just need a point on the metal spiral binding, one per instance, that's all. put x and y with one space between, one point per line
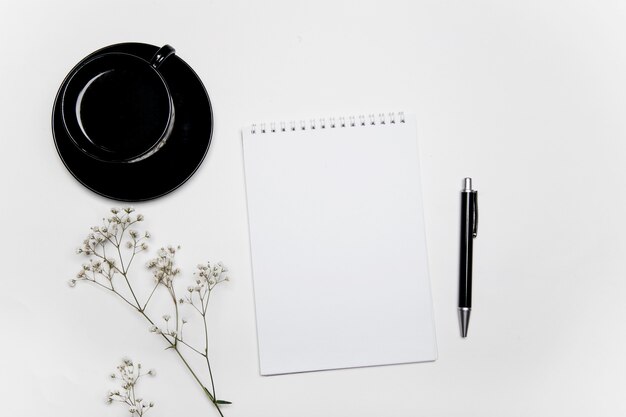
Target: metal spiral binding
331 123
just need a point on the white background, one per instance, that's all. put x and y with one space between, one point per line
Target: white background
528 97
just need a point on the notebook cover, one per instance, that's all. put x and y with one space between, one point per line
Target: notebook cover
338 246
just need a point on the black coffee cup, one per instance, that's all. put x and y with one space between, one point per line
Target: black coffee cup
117 107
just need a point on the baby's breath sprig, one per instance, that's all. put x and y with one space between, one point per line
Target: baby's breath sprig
111 249
128 375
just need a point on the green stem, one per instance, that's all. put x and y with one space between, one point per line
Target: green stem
182 358
206 341
206 391
189 346
149 298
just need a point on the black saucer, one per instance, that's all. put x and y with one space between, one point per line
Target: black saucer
165 170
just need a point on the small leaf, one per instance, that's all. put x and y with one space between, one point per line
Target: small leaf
222 402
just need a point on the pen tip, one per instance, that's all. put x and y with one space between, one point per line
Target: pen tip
464 316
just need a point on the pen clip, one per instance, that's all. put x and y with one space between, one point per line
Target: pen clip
475 222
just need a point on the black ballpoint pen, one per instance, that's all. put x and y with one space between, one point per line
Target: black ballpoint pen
469 223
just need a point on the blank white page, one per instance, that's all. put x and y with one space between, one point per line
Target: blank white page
338 247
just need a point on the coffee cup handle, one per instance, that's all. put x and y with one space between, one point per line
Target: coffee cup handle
161 55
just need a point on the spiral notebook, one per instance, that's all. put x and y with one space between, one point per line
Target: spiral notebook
337 243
